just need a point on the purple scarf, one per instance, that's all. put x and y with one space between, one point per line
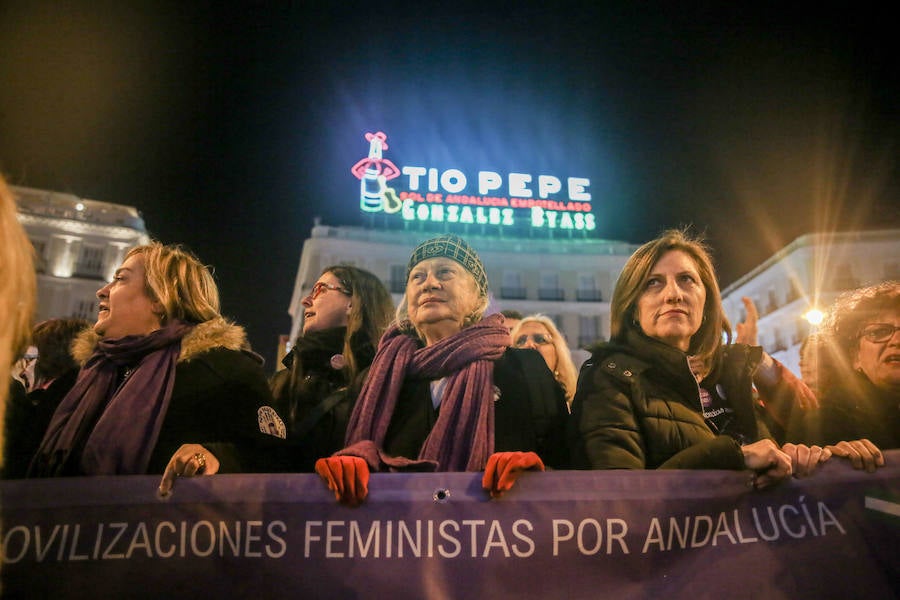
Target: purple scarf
116 425
462 439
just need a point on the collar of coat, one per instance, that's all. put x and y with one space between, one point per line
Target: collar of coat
638 353
215 333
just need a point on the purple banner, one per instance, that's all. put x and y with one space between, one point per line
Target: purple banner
566 534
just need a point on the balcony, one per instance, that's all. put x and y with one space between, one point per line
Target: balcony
513 293
551 294
588 296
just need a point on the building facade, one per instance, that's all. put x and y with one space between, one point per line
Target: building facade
809 273
569 280
78 245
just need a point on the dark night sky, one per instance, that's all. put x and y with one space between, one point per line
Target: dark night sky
230 125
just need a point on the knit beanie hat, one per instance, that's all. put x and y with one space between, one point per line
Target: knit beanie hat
453 247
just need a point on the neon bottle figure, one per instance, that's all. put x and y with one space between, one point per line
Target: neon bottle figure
370 197
372 173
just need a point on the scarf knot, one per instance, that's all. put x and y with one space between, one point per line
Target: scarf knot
463 436
105 426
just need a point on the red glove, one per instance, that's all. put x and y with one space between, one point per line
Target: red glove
346 476
503 469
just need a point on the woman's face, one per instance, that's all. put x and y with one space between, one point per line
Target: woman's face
880 360
327 305
440 294
670 308
535 335
125 307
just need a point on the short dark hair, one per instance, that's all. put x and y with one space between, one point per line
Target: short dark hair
53 340
510 313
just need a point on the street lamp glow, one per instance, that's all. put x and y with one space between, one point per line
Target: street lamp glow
814 316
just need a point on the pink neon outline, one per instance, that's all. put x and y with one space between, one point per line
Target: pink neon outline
383 166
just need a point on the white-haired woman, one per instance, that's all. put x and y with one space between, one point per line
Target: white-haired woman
540 333
445 392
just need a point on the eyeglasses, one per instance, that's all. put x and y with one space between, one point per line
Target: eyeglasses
321 287
539 339
878 332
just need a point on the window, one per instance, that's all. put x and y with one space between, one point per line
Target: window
85 309
588 331
587 289
513 288
40 258
90 262
842 278
397 284
549 287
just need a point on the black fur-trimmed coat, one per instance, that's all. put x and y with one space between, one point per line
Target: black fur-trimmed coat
219 397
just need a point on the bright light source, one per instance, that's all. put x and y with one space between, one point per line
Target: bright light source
814 316
79 207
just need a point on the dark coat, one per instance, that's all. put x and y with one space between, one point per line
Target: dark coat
529 415
851 411
638 406
312 378
27 418
219 391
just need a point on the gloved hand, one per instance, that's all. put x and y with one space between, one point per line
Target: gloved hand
346 476
503 469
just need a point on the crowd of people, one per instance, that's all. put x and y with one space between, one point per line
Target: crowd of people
163 384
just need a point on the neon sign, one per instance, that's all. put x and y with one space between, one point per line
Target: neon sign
439 196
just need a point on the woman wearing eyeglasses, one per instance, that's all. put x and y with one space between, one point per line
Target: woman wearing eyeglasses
540 333
344 316
858 377
445 392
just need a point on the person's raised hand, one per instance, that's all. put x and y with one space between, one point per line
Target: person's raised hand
747 332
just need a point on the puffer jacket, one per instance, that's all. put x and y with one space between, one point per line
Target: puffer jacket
638 406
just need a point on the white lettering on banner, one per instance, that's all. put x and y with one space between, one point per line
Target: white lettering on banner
122 541
473 538
698 531
590 530
418 539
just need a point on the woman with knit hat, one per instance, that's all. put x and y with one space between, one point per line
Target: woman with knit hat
445 392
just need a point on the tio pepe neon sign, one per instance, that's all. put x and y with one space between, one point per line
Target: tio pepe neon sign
438 196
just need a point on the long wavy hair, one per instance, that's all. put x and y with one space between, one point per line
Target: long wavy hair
371 310
633 280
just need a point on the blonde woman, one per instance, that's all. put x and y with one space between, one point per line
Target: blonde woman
540 333
161 367
17 292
